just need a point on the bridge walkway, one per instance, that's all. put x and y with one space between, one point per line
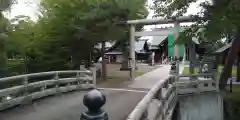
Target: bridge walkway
69 106
121 100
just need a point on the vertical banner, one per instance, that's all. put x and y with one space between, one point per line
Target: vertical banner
170 45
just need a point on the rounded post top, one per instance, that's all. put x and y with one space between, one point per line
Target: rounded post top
94 100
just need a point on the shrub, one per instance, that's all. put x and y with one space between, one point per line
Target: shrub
15 67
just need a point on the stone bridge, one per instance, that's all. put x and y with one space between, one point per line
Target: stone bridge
58 96
69 106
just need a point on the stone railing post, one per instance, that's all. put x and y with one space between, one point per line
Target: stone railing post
56 78
43 87
26 99
94 74
94 100
159 94
78 78
173 68
25 83
82 68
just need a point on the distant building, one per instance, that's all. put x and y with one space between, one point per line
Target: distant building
162 46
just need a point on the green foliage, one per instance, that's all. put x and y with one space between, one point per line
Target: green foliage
3 38
4 5
170 8
218 19
15 67
19 37
67 31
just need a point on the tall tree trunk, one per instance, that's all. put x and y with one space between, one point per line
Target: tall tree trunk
125 63
104 64
238 68
227 70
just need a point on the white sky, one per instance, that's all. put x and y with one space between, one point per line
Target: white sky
24 7
30 8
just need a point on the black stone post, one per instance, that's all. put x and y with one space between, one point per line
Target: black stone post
94 100
173 67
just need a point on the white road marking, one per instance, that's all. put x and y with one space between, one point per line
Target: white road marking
128 90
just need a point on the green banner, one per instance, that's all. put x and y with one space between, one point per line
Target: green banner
171 39
170 45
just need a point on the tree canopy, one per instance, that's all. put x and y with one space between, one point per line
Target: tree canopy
4 25
218 19
67 31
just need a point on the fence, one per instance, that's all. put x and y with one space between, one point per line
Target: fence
159 101
204 82
23 89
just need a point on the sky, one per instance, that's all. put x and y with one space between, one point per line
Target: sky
30 8
24 7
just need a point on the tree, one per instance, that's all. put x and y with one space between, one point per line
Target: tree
19 37
4 5
219 18
77 26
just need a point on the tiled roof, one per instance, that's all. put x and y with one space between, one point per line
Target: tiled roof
225 47
139 45
158 40
114 53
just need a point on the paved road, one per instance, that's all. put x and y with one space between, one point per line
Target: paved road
68 106
149 79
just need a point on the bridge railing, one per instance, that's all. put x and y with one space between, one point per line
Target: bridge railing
203 82
23 89
158 101
162 98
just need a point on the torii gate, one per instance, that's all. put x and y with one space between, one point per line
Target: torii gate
134 33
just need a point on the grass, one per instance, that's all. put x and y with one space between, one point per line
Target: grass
196 70
140 73
115 80
235 94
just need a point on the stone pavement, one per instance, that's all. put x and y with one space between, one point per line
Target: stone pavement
148 80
